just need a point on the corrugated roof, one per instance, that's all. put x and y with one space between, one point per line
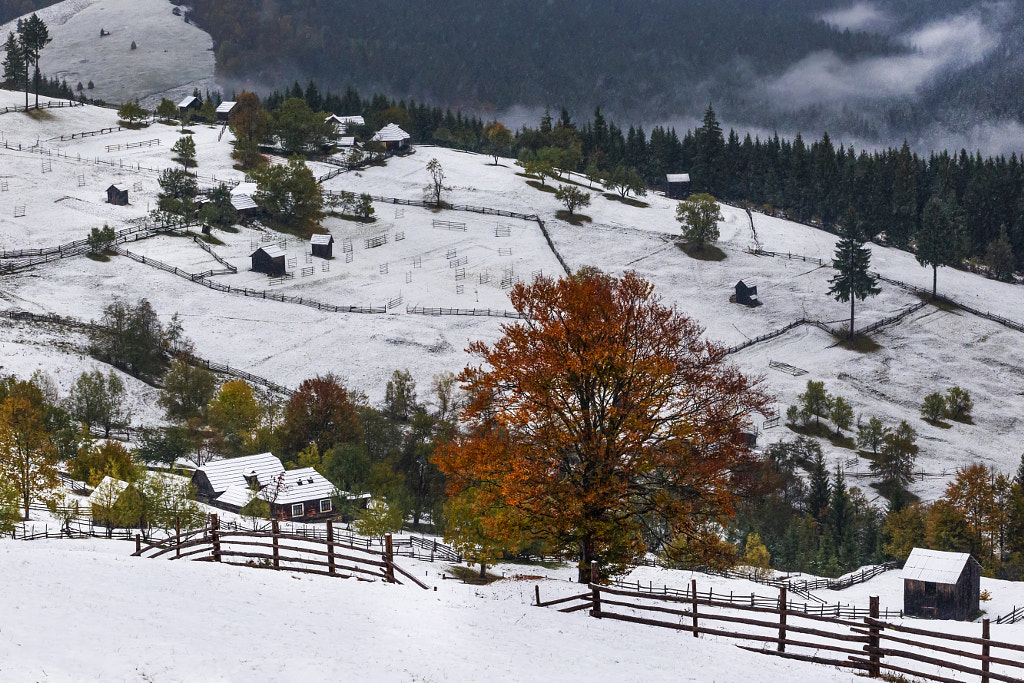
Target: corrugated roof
242 202
187 102
321 239
271 250
678 177
225 107
229 472
302 485
391 133
935 566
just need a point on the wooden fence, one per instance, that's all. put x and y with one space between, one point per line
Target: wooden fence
870 644
279 550
485 312
56 104
1017 614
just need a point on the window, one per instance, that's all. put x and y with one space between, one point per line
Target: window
325 505
297 510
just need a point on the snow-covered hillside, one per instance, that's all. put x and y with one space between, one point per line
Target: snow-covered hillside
423 265
171 57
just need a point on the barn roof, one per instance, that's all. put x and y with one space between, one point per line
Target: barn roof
346 141
391 133
271 250
106 491
347 120
245 188
229 472
241 202
225 107
304 484
935 566
119 188
237 495
678 177
321 239
187 102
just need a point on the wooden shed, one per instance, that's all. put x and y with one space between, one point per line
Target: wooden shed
394 138
677 185
224 110
269 260
323 245
746 294
117 194
941 585
190 103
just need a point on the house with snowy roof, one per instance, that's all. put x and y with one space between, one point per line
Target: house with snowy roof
941 585
224 110
345 123
269 259
322 246
190 103
394 138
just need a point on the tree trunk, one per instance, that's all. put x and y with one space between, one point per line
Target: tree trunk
37 78
852 300
586 558
935 280
483 571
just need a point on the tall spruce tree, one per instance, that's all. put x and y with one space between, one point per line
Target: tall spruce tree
940 239
852 280
710 148
34 37
904 198
14 62
819 489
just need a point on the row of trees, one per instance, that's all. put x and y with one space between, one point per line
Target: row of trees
22 51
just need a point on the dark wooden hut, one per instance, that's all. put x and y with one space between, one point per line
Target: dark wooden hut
117 194
190 103
224 110
941 585
677 185
269 260
746 295
323 246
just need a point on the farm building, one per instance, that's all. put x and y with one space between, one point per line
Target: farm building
394 138
746 295
323 245
941 585
242 199
215 478
270 260
104 499
346 141
117 194
190 103
224 111
345 123
677 185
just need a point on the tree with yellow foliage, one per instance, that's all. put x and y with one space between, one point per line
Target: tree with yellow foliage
27 459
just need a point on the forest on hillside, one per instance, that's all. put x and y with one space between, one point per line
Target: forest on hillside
12 9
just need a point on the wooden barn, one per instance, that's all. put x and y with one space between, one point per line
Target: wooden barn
190 103
394 138
224 110
746 294
105 500
677 185
323 245
941 585
117 194
343 124
270 260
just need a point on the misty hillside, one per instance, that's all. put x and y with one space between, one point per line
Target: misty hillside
941 73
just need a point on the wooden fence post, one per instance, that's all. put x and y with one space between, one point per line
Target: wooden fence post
274 531
536 590
985 635
874 641
693 592
177 537
330 548
138 544
782 618
215 535
389 559
595 589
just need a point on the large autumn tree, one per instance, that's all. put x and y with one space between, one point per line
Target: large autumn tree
603 420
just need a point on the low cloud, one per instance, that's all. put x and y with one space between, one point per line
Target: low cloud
862 16
938 47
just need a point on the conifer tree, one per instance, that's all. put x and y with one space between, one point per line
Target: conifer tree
852 259
710 146
819 489
14 62
940 240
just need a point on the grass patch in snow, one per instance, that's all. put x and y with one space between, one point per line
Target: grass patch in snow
702 252
39 115
95 256
576 219
628 201
823 431
470 575
938 302
940 424
535 184
210 239
350 217
861 343
137 125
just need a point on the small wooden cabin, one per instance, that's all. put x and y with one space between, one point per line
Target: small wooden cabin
941 585
190 103
117 194
677 185
270 260
394 138
746 294
224 110
323 246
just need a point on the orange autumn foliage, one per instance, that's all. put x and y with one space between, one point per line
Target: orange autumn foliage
604 420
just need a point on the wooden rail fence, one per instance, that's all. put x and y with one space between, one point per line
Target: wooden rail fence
59 104
870 644
279 550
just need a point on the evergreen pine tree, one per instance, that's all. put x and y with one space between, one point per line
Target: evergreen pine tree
710 148
904 198
939 240
14 62
819 491
852 260
839 512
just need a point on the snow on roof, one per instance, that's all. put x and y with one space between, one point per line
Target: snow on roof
244 188
241 202
678 177
302 485
237 495
229 472
225 107
346 142
107 491
935 566
120 188
187 102
321 239
346 120
272 250
391 133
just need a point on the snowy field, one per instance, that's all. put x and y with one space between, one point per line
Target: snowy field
170 60
423 266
